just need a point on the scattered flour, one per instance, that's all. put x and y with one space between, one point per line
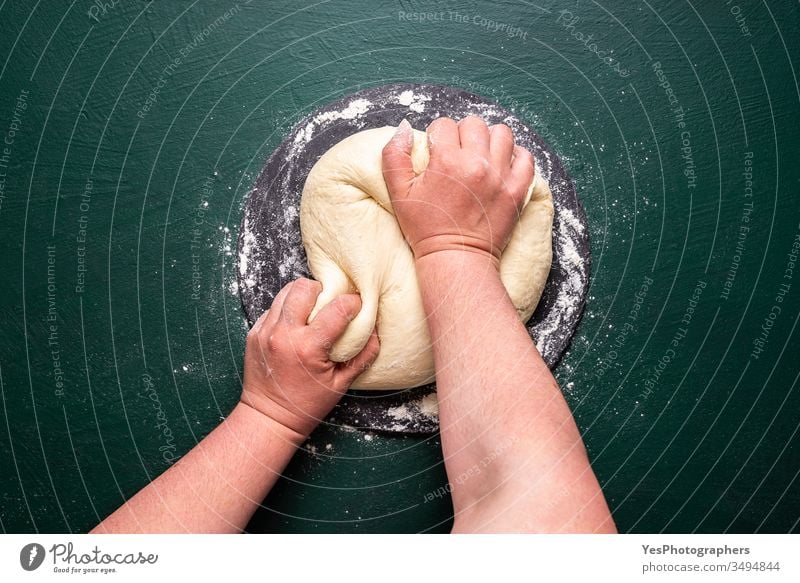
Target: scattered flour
354 109
247 247
249 273
426 407
414 101
569 219
568 232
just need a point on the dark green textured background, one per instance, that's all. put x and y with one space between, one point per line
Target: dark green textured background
710 446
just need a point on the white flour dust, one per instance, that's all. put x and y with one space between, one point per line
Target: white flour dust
354 109
425 409
567 231
568 239
249 276
414 101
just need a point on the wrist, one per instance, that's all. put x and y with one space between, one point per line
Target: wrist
459 263
457 243
250 414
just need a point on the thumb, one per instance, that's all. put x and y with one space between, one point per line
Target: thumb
398 171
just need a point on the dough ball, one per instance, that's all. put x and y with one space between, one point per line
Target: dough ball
354 245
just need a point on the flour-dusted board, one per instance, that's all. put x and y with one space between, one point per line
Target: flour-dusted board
271 251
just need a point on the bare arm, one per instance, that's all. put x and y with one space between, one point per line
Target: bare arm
513 452
217 486
289 385
514 456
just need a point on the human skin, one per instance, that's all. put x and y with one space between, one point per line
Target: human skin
504 422
289 386
513 453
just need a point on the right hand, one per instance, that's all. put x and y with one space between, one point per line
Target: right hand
288 374
469 197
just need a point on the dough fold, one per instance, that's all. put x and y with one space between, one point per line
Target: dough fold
354 245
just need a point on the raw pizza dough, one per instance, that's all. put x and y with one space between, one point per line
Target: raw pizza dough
354 245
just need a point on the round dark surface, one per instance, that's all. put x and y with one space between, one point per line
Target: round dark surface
271 253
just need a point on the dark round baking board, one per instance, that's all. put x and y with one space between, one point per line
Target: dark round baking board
271 252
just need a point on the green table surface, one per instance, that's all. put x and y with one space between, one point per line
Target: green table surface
133 131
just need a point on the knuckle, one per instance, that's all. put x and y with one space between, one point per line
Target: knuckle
274 343
305 351
510 190
477 170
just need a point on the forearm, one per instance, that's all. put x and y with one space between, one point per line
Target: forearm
217 486
503 417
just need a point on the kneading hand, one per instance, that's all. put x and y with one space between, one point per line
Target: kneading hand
471 193
288 375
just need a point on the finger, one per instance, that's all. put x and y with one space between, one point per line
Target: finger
398 171
351 369
501 146
522 169
442 134
474 135
333 319
300 301
270 317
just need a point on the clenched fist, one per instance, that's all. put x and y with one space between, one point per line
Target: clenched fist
469 197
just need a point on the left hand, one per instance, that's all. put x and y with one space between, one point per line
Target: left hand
288 375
